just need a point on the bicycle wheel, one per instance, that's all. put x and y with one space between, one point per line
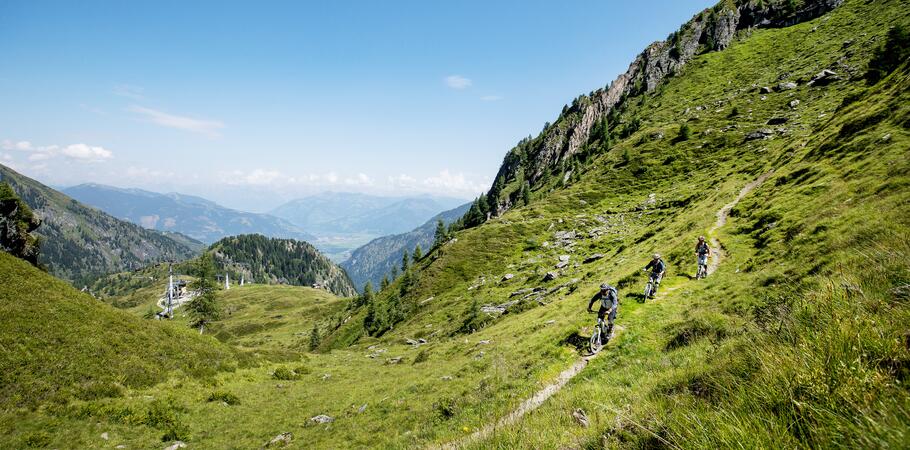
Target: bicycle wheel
647 290
595 340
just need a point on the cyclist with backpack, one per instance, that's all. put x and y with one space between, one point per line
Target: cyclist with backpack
702 251
657 267
609 304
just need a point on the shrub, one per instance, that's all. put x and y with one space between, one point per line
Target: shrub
283 373
225 397
890 55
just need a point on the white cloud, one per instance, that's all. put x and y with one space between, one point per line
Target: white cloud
86 152
361 179
6 157
458 82
448 182
39 156
491 98
206 127
20 145
125 90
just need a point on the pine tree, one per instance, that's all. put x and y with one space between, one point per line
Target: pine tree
441 235
204 307
405 261
526 193
384 283
418 253
314 338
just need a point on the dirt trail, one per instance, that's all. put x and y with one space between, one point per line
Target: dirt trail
717 251
530 404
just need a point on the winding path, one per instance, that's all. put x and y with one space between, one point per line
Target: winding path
547 391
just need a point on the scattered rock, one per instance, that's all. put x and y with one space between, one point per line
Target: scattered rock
763 133
446 378
479 355
421 341
492 309
322 418
550 276
580 417
176 445
886 137
120 446
563 258
652 199
424 302
823 78
786 86
483 342
395 360
507 277
282 440
764 97
764 90
777 120
593 258
561 264
362 408
326 376
794 103
105 436
656 136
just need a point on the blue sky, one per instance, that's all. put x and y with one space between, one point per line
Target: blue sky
254 103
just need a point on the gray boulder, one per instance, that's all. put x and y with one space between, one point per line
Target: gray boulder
550 276
786 86
322 418
763 133
823 78
282 440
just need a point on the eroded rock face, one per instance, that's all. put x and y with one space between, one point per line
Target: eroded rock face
711 30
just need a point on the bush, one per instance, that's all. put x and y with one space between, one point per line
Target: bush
422 356
225 397
445 408
890 55
283 373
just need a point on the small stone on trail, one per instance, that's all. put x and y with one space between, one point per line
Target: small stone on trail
282 440
322 418
580 417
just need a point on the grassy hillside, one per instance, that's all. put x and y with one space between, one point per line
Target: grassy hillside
61 346
80 243
798 340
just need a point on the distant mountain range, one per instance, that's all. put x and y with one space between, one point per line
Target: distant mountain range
331 214
193 216
80 243
376 259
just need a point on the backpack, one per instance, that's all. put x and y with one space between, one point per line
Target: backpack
611 291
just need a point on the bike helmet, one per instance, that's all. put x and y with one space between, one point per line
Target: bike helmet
604 286
657 256
701 238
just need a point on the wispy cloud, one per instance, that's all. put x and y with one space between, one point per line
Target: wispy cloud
125 90
491 98
86 152
458 82
206 127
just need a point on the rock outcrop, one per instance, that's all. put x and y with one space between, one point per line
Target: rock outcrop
711 30
16 224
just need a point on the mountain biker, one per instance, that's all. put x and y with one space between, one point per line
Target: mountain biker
702 251
658 267
609 303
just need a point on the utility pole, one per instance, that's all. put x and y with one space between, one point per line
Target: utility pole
227 281
241 279
170 291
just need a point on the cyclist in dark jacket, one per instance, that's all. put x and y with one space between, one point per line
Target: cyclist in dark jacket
702 251
609 304
657 267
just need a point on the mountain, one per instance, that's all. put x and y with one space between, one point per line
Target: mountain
334 213
377 258
779 148
193 216
79 243
266 260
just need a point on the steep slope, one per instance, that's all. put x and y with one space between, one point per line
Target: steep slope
797 340
81 243
279 261
60 344
374 260
195 217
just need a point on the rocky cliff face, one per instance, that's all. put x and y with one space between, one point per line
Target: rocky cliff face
711 30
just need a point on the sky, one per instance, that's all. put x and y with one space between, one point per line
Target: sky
251 104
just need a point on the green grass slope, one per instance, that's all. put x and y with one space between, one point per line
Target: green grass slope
798 340
59 344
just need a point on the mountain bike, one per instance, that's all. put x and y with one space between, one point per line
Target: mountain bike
599 338
649 288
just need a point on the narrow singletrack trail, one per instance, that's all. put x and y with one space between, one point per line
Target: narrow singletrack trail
717 251
532 403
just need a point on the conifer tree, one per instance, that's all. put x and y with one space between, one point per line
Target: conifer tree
442 234
314 338
418 253
204 307
405 261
